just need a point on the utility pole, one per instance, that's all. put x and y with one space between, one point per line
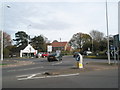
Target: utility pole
2 26
2 45
92 43
108 51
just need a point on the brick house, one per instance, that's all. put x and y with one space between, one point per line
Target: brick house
63 46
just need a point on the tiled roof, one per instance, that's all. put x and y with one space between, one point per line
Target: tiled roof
59 44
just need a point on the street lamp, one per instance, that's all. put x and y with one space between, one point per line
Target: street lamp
108 51
2 26
92 42
28 33
2 45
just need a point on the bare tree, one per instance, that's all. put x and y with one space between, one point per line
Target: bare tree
96 35
6 39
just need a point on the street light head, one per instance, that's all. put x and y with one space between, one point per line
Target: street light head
8 6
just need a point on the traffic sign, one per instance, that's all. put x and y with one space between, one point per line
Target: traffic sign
49 48
116 40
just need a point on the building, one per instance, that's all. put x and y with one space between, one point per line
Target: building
29 51
63 46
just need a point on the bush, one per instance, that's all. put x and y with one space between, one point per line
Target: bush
6 52
66 53
101 53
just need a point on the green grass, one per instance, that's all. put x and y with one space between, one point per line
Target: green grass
96 57
3 64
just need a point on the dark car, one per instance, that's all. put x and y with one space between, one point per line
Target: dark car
54 57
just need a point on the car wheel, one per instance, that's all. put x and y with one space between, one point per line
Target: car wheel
49 60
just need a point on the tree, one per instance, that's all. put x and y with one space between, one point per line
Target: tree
87 45
21 38
99 41
79 40
96 35
6 39
6 43
39 43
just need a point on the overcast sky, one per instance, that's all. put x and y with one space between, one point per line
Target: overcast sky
57 20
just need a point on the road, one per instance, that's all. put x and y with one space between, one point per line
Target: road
31 76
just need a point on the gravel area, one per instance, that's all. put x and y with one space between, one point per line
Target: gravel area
88 67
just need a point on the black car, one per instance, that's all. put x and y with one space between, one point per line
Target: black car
54 57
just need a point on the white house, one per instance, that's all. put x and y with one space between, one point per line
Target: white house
29 51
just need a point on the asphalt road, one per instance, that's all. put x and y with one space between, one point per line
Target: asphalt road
31 76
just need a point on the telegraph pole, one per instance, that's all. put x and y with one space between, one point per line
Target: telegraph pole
108 51
2 45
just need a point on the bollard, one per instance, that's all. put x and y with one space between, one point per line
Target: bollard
79 60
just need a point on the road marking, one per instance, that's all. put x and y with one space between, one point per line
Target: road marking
43 77
57 63
25 69
31 74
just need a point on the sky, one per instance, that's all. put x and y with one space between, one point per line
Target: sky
60 19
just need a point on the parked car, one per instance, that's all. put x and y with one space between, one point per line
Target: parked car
45 54
39 55
54 57
87 52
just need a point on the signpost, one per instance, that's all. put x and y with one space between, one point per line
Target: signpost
49 48
116 46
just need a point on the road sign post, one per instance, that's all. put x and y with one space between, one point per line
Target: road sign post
49 48
116 45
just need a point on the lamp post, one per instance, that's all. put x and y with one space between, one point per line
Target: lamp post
28 33
2 26
2 45
1 33
92 43
108 51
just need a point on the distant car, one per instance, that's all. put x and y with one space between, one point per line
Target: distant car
45 54
87 52
39 55
54 57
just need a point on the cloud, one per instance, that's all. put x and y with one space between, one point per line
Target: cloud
44 24
61 18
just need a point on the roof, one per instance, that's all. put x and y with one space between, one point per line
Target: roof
29 48
69 48
59 44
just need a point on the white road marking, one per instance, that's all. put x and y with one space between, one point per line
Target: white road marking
42 77
25 69
57 63
28 75
31 76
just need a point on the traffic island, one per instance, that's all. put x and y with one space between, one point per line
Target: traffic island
91 66
70 71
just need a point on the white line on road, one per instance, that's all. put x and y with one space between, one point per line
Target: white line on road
42 77
25 69
57 63
31 74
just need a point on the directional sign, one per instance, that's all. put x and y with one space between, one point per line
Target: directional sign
49 48
116 40
77 58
